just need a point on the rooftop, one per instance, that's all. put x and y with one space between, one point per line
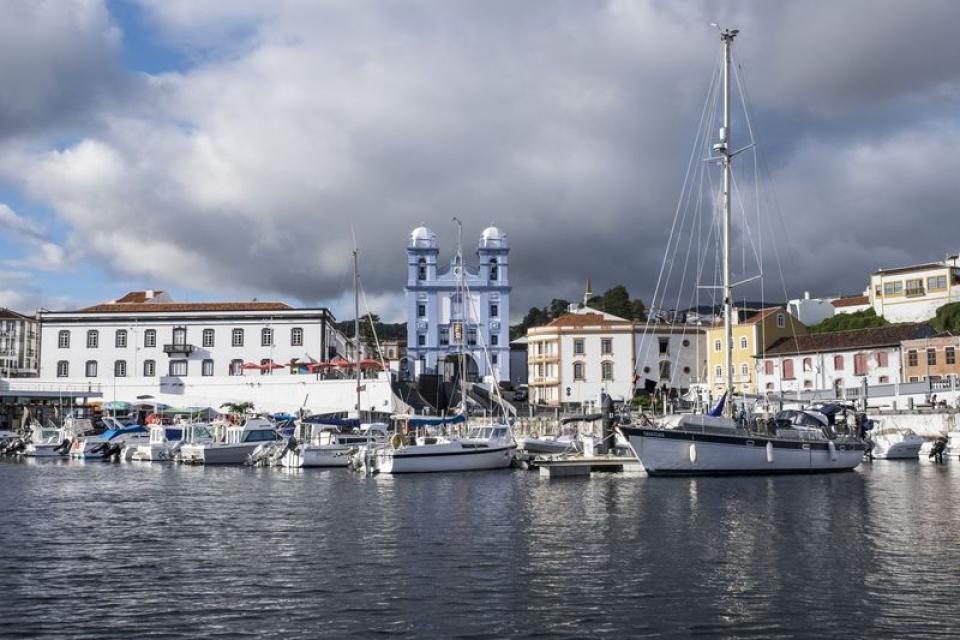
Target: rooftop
184 307
850 301
850 340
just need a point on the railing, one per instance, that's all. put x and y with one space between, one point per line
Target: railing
28 385
185 349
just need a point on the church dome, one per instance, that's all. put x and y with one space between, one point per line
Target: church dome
493 238
423 238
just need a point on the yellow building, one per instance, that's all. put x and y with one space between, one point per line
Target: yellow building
913 294
751 337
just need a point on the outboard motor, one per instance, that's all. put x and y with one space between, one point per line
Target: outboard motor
936 451
64 447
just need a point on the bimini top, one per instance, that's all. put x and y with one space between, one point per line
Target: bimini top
423 238
493 238
110 434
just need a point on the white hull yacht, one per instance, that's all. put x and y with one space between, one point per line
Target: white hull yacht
167 440
239 443
490 447
330 447
893 443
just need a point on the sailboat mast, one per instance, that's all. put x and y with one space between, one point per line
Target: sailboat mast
461 290
726 161
356 321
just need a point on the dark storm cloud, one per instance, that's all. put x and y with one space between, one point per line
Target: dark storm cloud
567 123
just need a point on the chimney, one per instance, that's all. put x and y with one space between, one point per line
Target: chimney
587 293
806 295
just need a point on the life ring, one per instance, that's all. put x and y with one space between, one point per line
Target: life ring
396 441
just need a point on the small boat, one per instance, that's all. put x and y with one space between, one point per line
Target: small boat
487 447
167 440
329 446
894 443
567 441
46 442
239 442
110 443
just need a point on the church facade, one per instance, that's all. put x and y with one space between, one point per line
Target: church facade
457 308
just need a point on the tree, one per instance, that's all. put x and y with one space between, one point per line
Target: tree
948 318
238 407
616 300
557 308
367 339
847 321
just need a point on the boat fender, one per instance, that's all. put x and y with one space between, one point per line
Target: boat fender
693 453
396 441
769 451
833 451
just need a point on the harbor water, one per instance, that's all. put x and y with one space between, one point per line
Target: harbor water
128 550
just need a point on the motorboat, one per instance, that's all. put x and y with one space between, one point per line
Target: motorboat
113 442
486 447
330 446
953 444
239 442
567 441
46 442
895 443
167 440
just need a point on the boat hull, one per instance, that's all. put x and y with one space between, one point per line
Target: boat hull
218 453
43 450
683 453
545 446
443 457
316 456
901 450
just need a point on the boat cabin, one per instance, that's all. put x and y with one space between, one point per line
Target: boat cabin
253 430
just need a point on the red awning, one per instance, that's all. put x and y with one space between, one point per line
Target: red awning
370 364
340 362
249 365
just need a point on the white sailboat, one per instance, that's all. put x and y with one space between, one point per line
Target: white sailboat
716 444
485 447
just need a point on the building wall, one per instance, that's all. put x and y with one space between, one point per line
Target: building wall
813 371
136 352
893 298
811 311
19 346
922 366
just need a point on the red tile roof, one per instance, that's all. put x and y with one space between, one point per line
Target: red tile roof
585 319
137 296
850 340
851 301
184 307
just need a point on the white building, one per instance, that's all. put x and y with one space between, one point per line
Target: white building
204 353
811 311
836 360
850 304
441 323
19 349
585 352
914 293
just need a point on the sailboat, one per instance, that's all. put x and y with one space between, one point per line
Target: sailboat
714 443
423 449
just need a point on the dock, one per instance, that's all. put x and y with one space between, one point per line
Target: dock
573 466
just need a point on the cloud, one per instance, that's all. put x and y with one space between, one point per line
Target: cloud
41 252
568 124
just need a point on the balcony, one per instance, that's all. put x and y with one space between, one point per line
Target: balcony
178 349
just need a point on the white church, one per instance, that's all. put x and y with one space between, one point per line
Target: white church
449 311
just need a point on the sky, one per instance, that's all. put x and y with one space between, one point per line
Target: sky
230 149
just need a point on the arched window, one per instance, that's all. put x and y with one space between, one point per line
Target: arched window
768 367
93 341
769 387
237 338
63 340
744 371
718 372
120 341
266 337
296 337
63 369
743 344
120 369
838 363
422 269
236 368
208 338
266 367
494 270
606 371
149 368
150 338
788 369
781 320
91 368
717 345
807 365
578 371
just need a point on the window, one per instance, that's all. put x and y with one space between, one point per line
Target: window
914 287
237 340
494 340
882 359
664 369
931 356
877 290
578 371
860 364
150 338
63 369
235 368
93 340
718 372
606 346
807 365
912 359
807 384
296 337
91 368
472 336
422 269
266 337
120 342
768 367
120 369
421 340
494 270
606 371
769 387
178 368
149 368
578 347
884 379
208 338
180 335
494 310
781 320
743 344
63 340
718 345
950 355
685 342
493 358
937 282
788 369
266 367
838 363
893 288
206 368
744 370
445 336
421 310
